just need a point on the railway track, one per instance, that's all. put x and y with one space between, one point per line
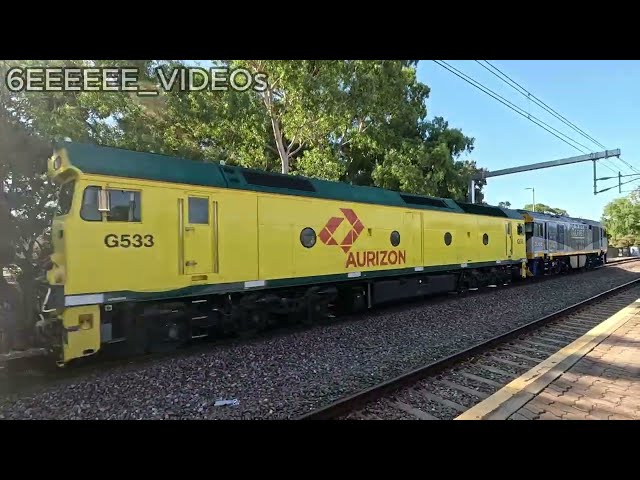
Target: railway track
444 389
615 261
34 372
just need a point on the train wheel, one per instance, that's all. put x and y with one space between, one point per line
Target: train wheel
166 335
253 322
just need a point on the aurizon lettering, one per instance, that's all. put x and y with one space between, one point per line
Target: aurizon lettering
378 258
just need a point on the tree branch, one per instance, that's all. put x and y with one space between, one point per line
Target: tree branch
297 149
293 141
276 81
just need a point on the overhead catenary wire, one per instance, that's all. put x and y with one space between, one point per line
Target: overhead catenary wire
516 108
627 163
512 106
526 93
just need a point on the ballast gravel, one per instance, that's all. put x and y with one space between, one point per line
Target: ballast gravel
286 376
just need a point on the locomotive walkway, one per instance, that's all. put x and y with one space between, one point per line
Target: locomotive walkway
597 377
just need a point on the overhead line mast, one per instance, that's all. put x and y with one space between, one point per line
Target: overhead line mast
537 166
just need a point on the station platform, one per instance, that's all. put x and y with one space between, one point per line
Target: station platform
596 377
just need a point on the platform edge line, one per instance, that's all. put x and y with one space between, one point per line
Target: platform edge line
521 390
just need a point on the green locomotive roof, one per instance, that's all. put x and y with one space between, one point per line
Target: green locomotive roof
117 162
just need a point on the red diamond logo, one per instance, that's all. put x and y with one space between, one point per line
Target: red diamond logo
326 235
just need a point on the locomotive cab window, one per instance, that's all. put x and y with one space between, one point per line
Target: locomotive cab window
198 211
520 229
534 229
124 205
89 209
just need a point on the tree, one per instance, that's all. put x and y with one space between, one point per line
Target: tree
29 121
330 106
542 208
621 218
504 204
361 122
625 241
25 207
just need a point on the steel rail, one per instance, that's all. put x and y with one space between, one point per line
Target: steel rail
359 399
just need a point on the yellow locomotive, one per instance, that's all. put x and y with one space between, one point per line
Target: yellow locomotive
152 251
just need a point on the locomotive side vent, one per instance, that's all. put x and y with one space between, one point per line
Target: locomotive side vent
482 210
278 181
415 200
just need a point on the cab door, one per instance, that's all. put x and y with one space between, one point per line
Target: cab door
509 239
198 221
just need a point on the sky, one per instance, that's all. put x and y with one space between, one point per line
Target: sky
599 97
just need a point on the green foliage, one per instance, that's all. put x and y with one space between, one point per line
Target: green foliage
320 163
504 204
542 208
621 218
625 241
26 205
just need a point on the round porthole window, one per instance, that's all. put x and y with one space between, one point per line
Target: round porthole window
395 238
308 237
485 239
447 239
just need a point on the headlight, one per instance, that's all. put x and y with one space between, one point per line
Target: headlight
57 163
